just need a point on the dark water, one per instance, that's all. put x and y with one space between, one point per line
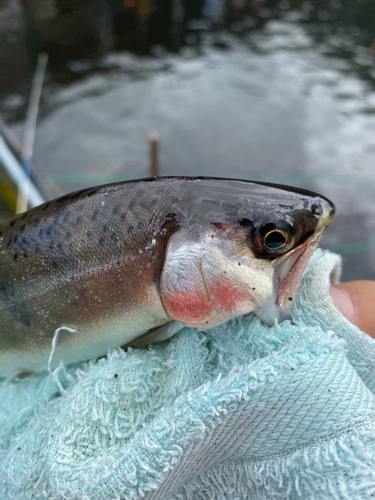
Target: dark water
274 91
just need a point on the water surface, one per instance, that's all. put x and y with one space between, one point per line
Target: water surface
288 101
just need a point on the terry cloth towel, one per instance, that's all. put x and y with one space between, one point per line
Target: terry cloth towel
242 411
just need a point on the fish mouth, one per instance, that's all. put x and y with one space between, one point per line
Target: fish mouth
287 276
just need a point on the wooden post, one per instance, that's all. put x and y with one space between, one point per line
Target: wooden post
154 141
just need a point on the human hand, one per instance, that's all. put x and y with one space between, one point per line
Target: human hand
356 301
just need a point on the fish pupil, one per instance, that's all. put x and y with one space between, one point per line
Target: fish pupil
274 240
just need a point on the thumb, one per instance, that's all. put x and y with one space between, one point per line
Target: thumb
356 301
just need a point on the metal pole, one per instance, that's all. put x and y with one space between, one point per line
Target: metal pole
154 141
29 131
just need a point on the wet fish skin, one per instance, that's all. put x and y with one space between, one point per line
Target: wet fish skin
114 261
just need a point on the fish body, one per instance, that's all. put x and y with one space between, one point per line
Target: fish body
105 265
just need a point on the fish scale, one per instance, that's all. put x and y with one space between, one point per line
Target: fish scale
112 262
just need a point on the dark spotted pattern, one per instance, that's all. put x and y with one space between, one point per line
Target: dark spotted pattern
66 216
8 293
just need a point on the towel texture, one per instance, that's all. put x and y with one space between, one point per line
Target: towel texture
242 411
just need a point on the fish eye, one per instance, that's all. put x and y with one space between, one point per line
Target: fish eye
276 240
275 235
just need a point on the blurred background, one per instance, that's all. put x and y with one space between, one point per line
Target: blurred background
270 90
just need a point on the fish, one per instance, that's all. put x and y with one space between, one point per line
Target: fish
128 263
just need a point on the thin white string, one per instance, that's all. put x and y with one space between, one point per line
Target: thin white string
55 374
54 342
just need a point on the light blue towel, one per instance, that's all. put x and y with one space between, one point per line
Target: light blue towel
240 412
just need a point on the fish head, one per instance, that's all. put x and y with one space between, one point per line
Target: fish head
242 253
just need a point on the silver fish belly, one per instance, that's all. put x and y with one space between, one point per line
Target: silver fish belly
105 265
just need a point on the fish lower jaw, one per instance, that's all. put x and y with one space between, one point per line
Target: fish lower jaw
288 282
286 278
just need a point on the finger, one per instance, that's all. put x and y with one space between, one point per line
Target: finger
356 301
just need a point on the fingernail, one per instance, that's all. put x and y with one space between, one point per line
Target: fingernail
342 301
